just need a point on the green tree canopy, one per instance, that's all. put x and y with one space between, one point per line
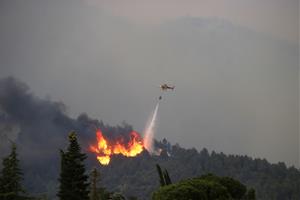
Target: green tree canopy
207 187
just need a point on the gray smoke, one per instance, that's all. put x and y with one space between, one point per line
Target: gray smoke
40 128
41 125
8 133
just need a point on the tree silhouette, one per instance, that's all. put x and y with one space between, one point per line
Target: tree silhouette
73 180
207 187
11 177
164 177
95 178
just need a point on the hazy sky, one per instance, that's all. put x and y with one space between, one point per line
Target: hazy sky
276 17
234 64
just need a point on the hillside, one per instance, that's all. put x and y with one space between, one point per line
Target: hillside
138 177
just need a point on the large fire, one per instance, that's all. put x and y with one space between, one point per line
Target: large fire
105 148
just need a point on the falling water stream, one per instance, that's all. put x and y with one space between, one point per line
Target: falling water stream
150 131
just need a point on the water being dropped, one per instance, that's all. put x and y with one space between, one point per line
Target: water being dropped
150 131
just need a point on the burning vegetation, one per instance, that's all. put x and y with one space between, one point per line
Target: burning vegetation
105 148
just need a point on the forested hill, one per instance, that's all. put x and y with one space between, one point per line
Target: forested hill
137 176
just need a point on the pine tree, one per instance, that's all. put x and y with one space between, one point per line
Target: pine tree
73 180
11 177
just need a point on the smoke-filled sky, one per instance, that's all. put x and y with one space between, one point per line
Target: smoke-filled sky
234 64
276 17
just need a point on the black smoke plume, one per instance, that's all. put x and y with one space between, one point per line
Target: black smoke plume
40 127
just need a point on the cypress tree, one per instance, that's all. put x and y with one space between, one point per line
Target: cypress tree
160 175
95 178
11 177
164 177
167 177
73 180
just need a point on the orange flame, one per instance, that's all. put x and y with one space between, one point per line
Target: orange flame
104 148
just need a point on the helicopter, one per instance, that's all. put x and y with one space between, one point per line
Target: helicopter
165 87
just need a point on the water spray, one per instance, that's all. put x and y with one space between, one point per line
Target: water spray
150 130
